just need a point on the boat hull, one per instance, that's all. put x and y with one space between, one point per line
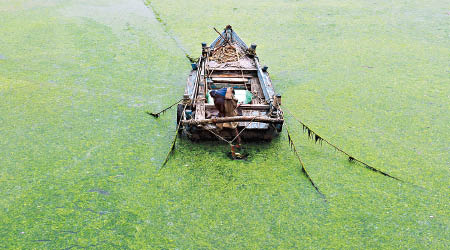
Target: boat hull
228 63
198 133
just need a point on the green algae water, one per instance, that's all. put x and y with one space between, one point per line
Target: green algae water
80 159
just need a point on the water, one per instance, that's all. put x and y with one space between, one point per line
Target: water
80 157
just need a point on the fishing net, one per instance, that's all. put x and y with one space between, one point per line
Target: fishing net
227 53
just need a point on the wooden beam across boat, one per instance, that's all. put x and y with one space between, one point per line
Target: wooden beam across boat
229 79
232 75
244 106
233 119
235 69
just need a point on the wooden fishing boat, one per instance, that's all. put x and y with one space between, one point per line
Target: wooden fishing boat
228 62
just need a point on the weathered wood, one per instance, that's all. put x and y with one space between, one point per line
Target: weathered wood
200 104
232 75
260 123
244 106
189 90
232 69
197 79
256 89
233 119
263 79
230 80
254 125
200 110
218 85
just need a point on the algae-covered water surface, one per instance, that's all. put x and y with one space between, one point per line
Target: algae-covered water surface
80 159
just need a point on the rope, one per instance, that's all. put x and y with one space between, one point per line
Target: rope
210 73
243 129
218 136
156 115
174 139
319 138
294 149
225 140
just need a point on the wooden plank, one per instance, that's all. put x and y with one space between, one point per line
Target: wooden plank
233 119
227 85
234 75
200 100
232 69
189 90
268 92
259 125
200 110
244 106
256 89
230 80
245 113
254 125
